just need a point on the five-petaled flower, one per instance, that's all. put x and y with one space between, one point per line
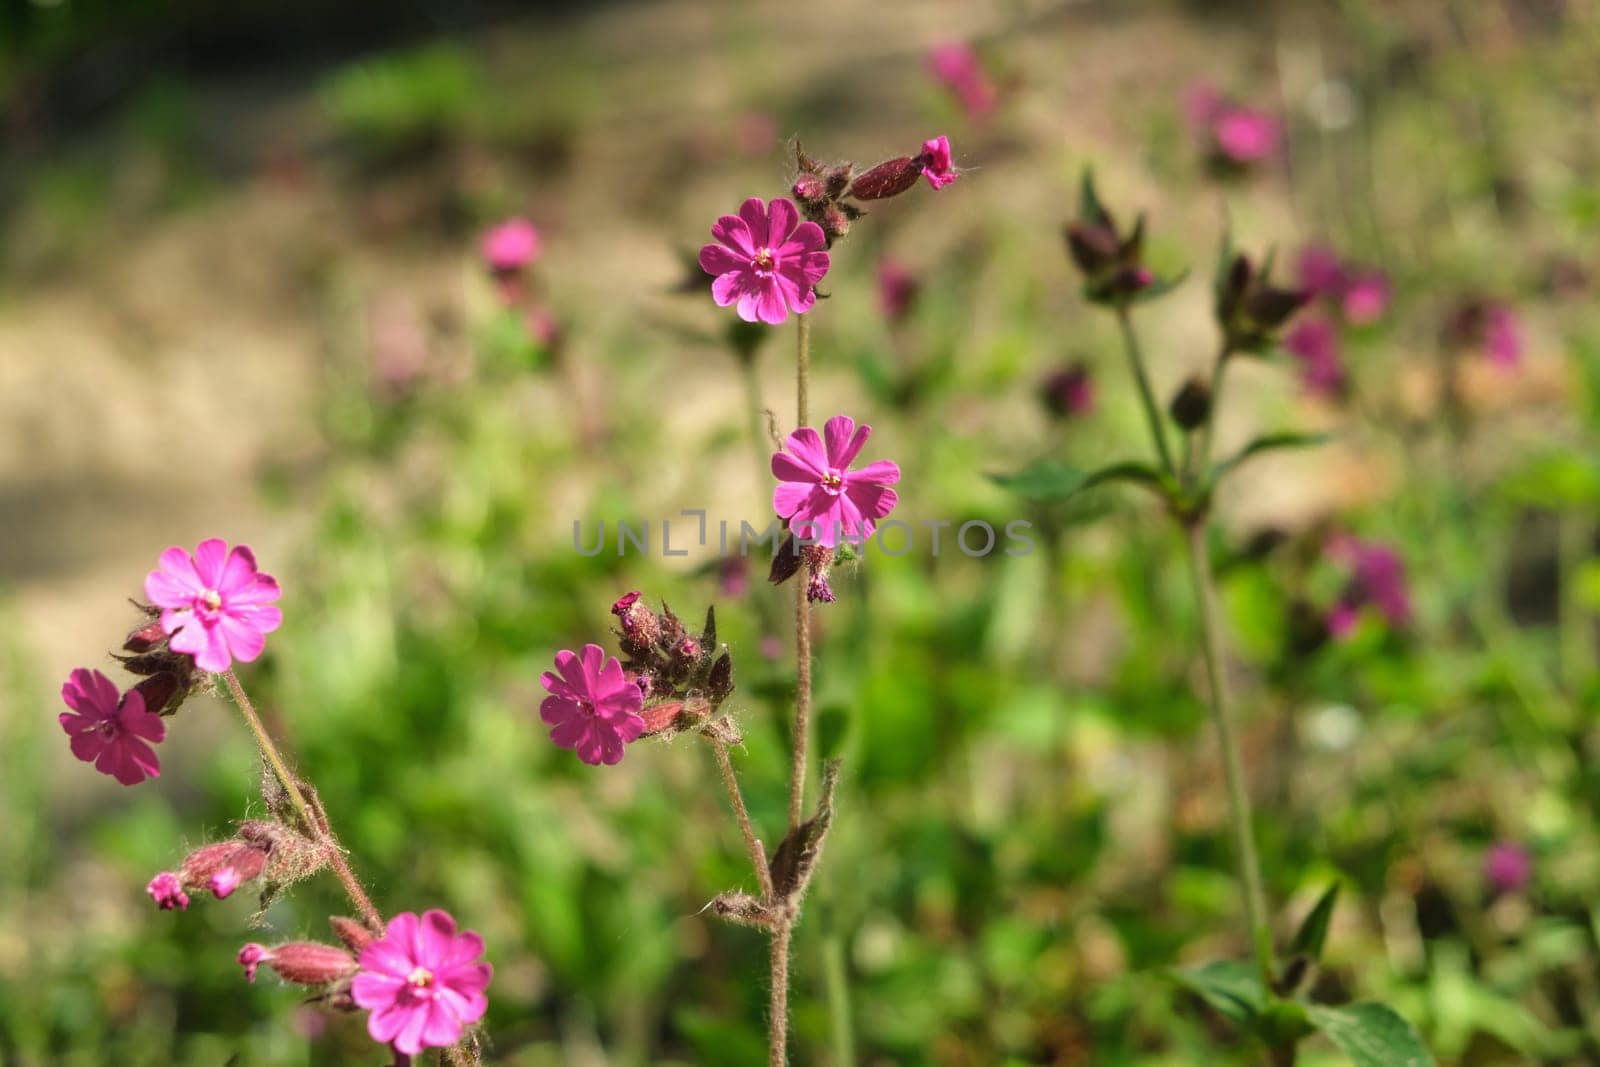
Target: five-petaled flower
215 604
110 730
767 261
937 165
592 708
422 981
823 499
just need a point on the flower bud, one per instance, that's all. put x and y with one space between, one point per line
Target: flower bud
1068 391
223 867
659 717
818 560
354 935
810 189
161 692
1250 310
785 562
147 637
301 962
719 684
1191 407
167 891
890 178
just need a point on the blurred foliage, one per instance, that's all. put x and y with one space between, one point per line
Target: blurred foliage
1031 831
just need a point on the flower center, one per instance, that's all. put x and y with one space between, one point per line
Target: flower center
211 599
833 481
420 979
766 259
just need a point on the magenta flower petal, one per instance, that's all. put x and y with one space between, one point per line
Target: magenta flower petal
216 605
111 731
937 165
822 499
592 707
766 262
420 982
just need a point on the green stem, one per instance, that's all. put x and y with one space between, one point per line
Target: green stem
1222 716
1152 413
316 823
838 979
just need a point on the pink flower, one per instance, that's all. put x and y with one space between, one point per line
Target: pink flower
109 730
1507 867
1315 343
1502 336
767 261
1245 134
510 246
956 66
1377 578
1321 271
897 289
592 707
216 605
1366 297
422 982
167 891
936 164
252 956
818 493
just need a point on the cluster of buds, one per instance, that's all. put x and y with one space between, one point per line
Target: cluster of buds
1251 311
1112 262
684 677
824 191
260 849
169 677
817 560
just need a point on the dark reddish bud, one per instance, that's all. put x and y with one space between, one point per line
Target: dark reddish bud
641 628
887 179
354 935
838 179
785 562
1068 391
145 638
1191 407
223 867
719 684
158 692
818 560
810 189
835 222
1093 246
659 717
1250 310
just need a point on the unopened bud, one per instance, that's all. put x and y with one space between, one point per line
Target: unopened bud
887 179
838 179
223 867
1191 407
818 560
303 962
785 562
719 684
835 222
150 635
659 717
160 690
810 189
354 935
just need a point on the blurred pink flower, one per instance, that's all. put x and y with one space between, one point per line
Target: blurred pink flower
897 289
422 981
511 245
216 604
957 67
1507 867
1377 578
1315 343
592 707
1246 134
1366 297
1321 271
818 493
937 166
733 577
1068 391
1502 336
766 262
109 730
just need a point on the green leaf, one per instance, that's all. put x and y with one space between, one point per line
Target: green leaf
1229 986
1372 1035
1271 442
1051 481
1313 932
1089 207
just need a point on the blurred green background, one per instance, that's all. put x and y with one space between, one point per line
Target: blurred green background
224 227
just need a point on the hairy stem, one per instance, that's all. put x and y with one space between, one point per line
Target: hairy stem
802 610
1222 715
316 823
778 1006
752 843
1152 413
